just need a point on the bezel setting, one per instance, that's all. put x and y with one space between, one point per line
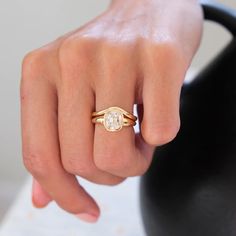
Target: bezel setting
113 120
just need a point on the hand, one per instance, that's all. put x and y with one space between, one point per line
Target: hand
134 53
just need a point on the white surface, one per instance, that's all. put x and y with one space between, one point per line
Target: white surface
120 214
7 195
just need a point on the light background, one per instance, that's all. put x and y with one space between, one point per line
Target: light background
29 24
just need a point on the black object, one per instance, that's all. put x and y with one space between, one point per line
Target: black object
190 189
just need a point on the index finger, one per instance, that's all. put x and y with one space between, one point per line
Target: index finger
41 148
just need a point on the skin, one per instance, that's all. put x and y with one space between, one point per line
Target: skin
133 53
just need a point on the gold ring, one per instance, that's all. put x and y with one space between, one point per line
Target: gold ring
114 118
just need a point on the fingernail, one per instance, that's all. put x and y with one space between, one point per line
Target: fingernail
87 217
40 198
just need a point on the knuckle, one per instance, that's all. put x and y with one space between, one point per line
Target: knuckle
112 161
75 55
166 52
32 62
87 171
75 48
101 161
75 167
161 134
116 54
32 67
66 49
35 164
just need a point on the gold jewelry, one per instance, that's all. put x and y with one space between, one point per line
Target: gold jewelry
114 118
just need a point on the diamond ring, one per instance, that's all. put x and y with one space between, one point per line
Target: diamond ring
114 118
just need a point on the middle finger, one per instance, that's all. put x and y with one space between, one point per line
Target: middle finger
117 152
76 102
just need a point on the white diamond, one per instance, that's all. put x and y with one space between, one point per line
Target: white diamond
113 120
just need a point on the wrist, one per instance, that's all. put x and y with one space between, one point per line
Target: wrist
113 2
154 6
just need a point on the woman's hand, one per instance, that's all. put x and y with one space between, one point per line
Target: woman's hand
137 52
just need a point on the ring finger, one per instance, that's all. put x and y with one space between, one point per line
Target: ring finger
117 152
76 103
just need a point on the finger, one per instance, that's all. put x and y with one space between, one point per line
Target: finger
76 104
116 152
40 197
163 78
146 149
40 138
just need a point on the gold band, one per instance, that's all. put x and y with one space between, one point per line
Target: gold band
126 113
126 121
114 118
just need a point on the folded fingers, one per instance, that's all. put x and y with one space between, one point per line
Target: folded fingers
76 104
41 149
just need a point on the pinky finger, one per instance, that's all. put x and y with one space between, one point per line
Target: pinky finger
40 197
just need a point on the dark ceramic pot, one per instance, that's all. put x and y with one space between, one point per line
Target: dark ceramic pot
190 189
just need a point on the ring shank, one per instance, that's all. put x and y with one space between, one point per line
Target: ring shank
126 121
125 113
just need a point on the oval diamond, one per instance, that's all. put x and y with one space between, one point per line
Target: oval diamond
113 120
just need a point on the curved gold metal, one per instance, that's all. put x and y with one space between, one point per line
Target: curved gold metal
125 113
126 121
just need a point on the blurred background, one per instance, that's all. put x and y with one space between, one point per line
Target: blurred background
29 24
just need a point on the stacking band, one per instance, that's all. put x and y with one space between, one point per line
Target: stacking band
126 121
125 113
114 118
